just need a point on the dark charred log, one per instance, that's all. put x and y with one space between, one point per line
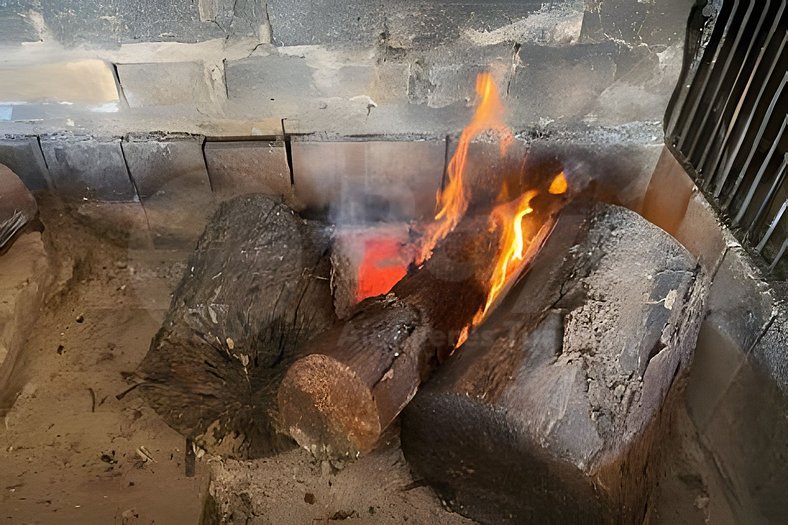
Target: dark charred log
255 289
553 410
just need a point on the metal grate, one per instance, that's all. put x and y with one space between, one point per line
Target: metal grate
727 120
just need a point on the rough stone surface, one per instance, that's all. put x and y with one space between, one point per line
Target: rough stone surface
173 185
164 84
88 168
92 22
237 168
661 23
15 26
560 83
274 84
23 155
369 180
401 24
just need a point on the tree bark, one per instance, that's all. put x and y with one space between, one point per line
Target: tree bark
256 287
552 411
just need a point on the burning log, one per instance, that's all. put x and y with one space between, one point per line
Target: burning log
553 411
356 378
255 288
337 400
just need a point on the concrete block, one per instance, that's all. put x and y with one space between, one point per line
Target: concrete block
635 22
448 76
87 168
104 23
23 155
346 81
172 181
90 82
425 25
560 84
74 22
369 180
273 84
306 22
408 24
15 24
165 84
237 168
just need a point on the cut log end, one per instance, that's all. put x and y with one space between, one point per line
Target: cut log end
328 409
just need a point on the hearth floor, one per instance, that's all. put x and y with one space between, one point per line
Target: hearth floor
71 452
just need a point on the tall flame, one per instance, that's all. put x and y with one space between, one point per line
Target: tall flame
452 201
507 217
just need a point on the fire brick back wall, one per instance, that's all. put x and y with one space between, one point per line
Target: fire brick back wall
247 67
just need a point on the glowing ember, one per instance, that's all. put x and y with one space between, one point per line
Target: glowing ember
559 185
384 264
453 199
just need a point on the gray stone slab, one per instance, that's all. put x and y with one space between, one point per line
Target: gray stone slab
15 27
74 22
87 168
238 168
306 22
425 25
398 23
268 83
369 180
164 84
634 22
560 83
23 155
448 76
173 184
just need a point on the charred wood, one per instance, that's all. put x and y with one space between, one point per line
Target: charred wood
555 408
255 288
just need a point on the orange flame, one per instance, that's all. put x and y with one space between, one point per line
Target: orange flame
452 201
517 236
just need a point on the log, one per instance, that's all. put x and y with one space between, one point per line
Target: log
357 377
554 410
255 288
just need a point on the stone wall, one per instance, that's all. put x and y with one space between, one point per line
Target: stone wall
84 83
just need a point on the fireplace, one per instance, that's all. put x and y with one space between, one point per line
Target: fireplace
388 262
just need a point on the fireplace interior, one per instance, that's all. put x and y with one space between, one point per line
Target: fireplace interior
393 262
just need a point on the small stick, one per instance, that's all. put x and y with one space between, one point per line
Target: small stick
92 399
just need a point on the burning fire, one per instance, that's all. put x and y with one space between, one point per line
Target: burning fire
508 216
518 228
454 198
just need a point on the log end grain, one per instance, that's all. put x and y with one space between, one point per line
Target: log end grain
327 408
